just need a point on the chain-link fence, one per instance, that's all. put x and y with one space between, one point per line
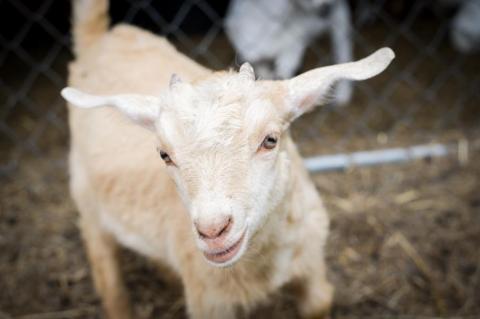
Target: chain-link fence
428 96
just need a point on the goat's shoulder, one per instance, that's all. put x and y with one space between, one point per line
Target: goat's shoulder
131 37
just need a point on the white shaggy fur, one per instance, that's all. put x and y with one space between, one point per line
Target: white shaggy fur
232 210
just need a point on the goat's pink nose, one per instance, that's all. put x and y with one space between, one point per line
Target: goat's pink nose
214 230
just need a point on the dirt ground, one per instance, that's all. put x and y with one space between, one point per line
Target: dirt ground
404 239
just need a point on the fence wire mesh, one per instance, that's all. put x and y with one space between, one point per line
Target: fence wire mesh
428 94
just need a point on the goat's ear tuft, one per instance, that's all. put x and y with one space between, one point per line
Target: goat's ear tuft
246 71
310 88
141 109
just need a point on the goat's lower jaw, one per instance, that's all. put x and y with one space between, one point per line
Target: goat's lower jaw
227 257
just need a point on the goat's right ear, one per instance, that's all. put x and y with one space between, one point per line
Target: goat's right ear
309 89
141 109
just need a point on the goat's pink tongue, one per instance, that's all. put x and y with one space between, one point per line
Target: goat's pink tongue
226 255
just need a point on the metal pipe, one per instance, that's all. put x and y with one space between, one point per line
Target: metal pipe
375 157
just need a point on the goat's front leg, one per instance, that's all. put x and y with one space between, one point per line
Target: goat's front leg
288 61
202 304
318 293
102 254
341 38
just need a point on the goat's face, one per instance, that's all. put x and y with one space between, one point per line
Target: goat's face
222 140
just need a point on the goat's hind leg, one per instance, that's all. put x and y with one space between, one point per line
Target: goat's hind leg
102 254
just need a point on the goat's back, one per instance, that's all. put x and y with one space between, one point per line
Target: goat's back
124 60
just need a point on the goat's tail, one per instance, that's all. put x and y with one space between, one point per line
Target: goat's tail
90 21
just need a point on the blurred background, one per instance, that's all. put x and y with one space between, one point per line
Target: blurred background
405 237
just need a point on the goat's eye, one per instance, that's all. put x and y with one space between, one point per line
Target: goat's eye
166 158
269 142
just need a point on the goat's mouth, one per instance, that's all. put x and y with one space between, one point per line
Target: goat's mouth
227 256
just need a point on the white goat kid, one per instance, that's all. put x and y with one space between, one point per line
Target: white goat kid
464 25
246 219
273 35
465 30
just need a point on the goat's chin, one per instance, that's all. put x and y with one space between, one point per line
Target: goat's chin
231 255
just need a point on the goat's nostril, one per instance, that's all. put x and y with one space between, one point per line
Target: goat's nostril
202 235
226 227
213 231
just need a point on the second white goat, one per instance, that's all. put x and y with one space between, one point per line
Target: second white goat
273 35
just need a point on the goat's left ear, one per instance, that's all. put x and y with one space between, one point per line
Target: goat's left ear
310 88
141 109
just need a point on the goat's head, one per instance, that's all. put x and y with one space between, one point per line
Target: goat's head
222 142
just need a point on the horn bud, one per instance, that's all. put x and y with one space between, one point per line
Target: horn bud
246 70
